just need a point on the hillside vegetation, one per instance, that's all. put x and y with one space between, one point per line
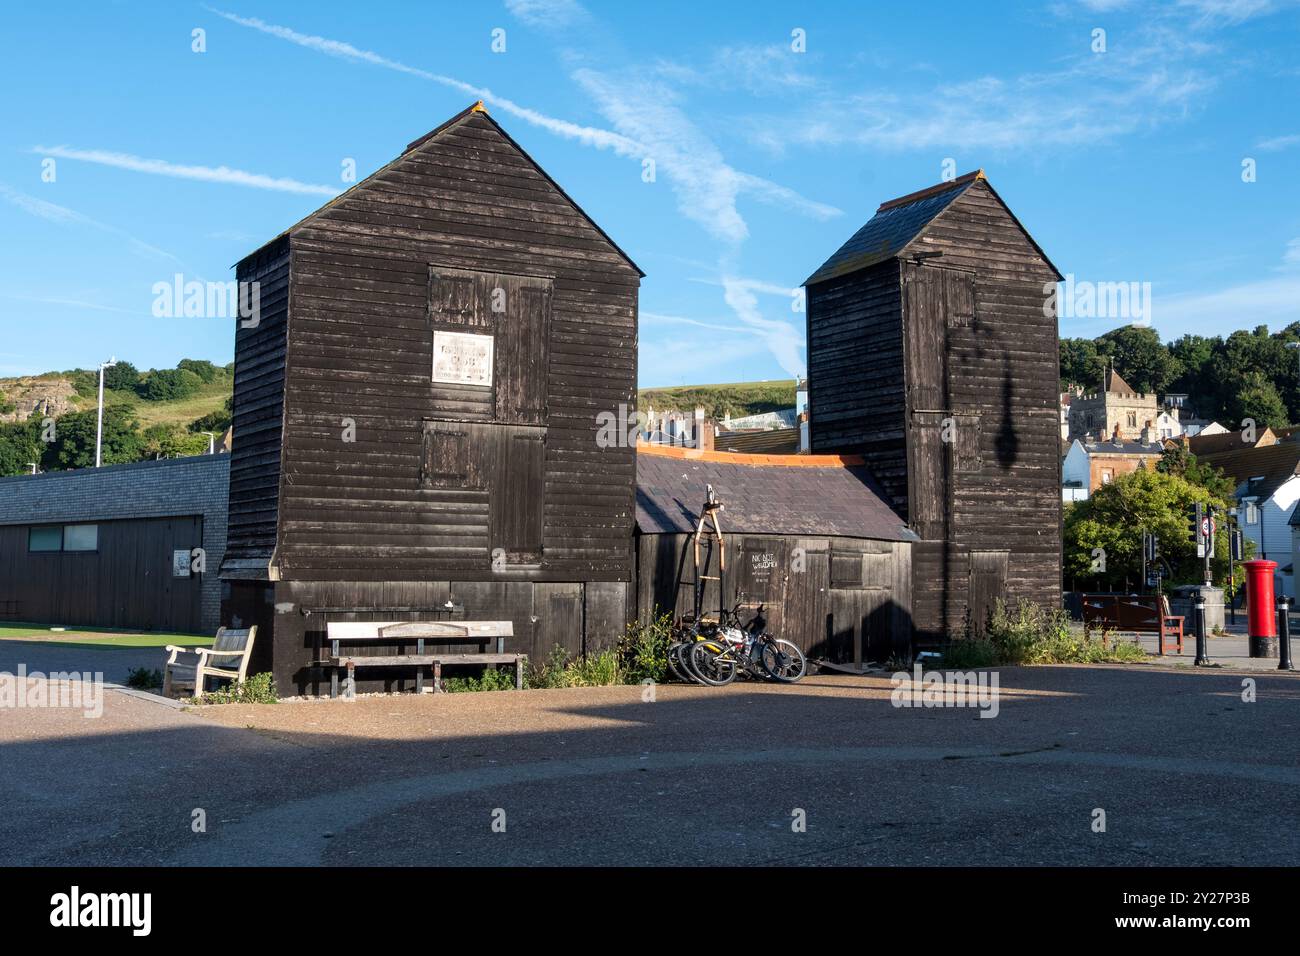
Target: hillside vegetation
50 419
738 398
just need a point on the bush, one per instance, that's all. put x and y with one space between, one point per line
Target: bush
217 422
595 670
1033 634
171 441
258 689
144 678
492 679
169 384
204 369
643 651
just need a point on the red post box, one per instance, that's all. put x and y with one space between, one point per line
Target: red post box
1259 604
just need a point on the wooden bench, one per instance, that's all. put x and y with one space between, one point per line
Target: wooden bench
1139 613
227 659
402 633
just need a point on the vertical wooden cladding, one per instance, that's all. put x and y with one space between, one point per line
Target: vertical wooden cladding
842 596
258 407
126 582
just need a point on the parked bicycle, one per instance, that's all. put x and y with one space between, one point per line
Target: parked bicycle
715 653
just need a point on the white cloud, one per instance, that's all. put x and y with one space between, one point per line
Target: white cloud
62 215
706 186
161 167
1270 302
1156 71
1292 255
601 139
759 69
784 338
1278 143
547 14
1232 11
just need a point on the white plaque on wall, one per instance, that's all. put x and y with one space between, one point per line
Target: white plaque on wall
180 564
461 358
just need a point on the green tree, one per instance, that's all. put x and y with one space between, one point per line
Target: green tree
1258 399
1193 354
20 444
1140 357
1177 460
123 375
200 367
1080 364
169 384
74 444
1116 516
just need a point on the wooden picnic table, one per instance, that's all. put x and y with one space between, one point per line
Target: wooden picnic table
401 633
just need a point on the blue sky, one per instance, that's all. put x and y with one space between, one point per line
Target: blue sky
1125 164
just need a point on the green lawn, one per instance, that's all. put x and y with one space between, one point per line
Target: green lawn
99 637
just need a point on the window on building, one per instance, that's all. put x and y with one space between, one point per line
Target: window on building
1106 476
81 537
49 538
1132 419
1252 513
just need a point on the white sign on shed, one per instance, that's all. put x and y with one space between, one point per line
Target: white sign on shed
460 358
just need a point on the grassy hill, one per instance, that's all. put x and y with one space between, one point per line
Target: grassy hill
158 412
211 397
738 398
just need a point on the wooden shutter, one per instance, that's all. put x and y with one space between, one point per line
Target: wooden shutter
988 583
519 493
846 569
453 455
456 299
523 330
966 448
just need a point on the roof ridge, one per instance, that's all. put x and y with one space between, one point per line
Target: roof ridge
741 458
931 191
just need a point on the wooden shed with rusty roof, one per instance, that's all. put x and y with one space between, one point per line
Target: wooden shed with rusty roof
812 537
932 353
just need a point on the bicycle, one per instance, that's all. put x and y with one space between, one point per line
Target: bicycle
717 659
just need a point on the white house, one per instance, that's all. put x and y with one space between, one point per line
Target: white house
1268 487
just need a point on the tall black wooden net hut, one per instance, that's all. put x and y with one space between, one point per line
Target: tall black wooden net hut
415 410
931 354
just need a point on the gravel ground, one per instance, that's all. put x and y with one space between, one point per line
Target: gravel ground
1186 772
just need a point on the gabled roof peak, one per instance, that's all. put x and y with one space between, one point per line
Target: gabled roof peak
932 190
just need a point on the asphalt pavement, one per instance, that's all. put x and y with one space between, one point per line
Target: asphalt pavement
1082 766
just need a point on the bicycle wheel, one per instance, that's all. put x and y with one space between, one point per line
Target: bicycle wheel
783 661
677 665
711 663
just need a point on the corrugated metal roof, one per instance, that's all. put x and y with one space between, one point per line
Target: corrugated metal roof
774 441
887 232
836 500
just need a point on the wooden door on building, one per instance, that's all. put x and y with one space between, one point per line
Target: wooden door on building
761 574
988 583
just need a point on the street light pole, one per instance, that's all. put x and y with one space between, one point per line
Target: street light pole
99 418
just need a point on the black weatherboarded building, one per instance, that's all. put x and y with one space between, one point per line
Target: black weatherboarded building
931 356
415 410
